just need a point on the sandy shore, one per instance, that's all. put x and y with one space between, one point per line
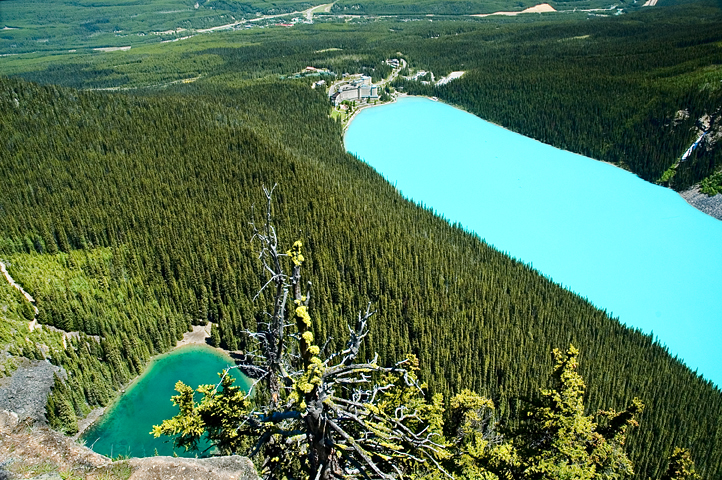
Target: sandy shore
89 419
197 337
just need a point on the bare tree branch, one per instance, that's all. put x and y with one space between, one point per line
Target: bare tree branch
330 405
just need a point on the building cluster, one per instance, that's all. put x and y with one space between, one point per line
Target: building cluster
356 90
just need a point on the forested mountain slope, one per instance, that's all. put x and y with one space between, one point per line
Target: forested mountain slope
635 90
56 26
614 89
127 217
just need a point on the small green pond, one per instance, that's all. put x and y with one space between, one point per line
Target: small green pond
124 429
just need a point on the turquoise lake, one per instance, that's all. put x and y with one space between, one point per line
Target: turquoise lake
124 429
637 250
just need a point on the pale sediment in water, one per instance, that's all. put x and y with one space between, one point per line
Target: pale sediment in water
712 206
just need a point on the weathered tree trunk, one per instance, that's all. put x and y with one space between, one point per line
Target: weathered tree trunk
274 390
322 458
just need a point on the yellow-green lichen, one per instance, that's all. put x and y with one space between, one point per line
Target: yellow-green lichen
303 316
295 253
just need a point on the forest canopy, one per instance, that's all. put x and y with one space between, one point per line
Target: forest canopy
125 212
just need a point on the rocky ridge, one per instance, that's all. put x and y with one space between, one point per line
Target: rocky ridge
30 450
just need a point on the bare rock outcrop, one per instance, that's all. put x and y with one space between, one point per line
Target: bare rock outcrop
710 205
39 453
216 468
26 392
23 447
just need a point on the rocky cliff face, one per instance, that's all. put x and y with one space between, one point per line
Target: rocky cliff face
28 450
32 450
26 391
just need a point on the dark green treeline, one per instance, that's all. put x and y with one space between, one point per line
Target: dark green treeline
613 89
162 186
628 90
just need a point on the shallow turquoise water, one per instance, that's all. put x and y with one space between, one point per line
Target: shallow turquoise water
124 428
635 249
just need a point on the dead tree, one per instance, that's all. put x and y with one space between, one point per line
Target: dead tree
340 415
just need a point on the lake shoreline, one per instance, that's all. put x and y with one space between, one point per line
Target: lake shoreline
394 99
196 337
145 401
711 206
570 216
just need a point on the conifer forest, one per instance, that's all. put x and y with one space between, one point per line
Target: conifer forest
129 179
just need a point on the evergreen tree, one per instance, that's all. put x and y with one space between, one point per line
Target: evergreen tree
561 442
345 418
681 466
215 336
153 206
59 409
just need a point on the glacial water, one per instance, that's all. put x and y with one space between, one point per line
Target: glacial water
635 249
124 429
